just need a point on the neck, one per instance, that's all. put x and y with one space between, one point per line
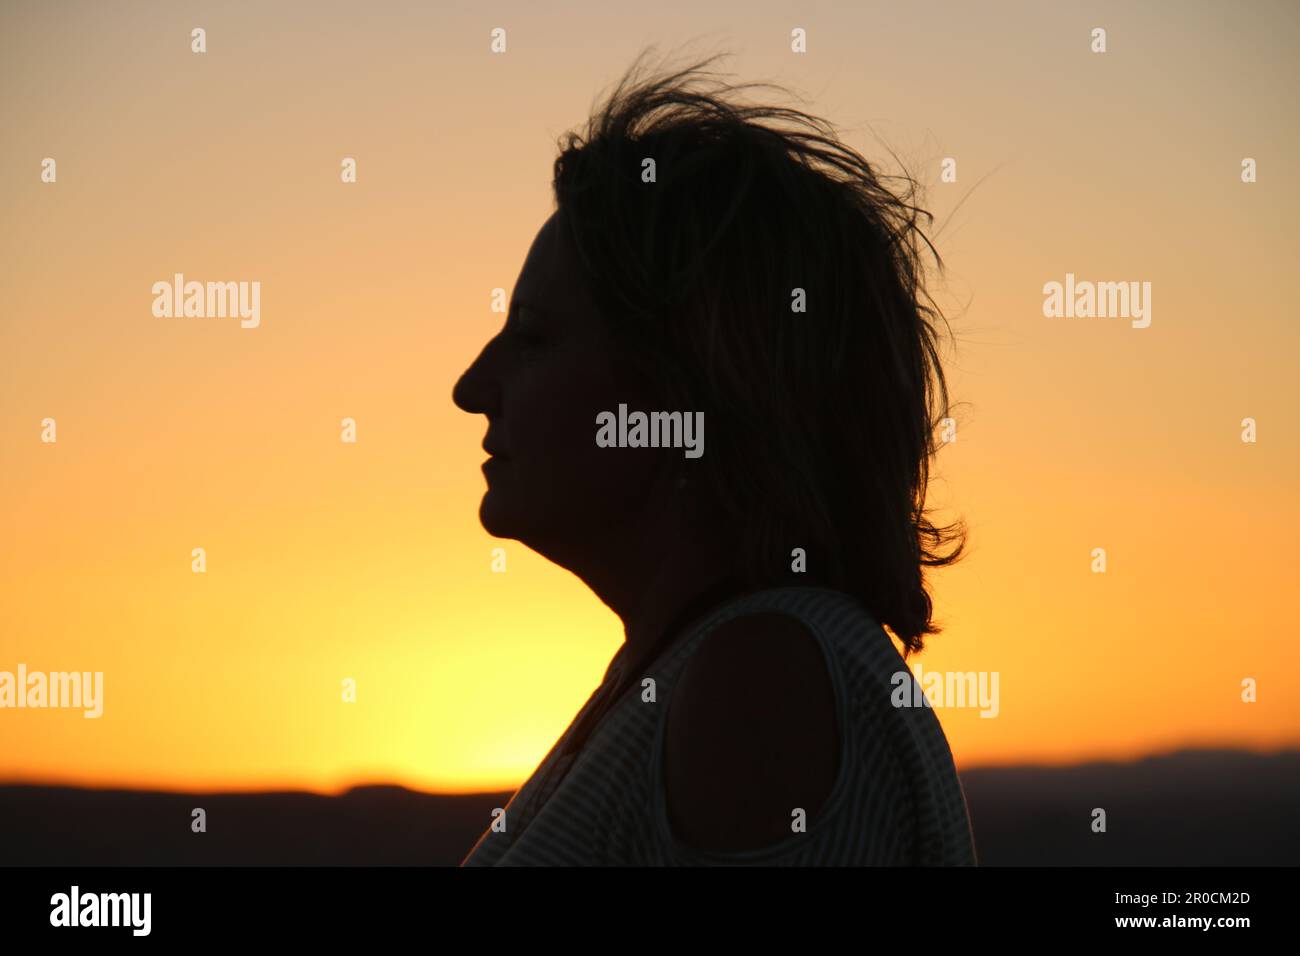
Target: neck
665 597
674 562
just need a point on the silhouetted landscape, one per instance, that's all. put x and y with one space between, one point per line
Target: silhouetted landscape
1189 808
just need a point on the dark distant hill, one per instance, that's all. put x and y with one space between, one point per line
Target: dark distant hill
1188 808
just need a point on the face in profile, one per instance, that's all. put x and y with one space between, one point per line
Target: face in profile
541 382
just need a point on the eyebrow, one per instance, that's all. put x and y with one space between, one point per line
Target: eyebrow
517 302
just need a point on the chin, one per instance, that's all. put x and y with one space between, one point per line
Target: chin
493 516
500 518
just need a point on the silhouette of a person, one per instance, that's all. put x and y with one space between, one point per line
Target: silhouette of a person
674 293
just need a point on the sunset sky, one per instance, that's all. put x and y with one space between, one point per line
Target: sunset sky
328 560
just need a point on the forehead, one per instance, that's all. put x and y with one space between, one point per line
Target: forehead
551 277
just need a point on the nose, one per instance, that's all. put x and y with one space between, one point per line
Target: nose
476 391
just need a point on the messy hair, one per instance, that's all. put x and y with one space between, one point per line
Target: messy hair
822 418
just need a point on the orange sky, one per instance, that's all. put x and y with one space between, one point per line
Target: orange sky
328 560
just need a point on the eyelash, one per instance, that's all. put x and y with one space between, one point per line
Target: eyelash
528 341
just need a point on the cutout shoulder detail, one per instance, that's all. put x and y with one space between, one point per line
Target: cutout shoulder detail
752 736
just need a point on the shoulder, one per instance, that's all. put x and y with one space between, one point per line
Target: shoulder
751 734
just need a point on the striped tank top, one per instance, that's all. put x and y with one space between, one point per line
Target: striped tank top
897 799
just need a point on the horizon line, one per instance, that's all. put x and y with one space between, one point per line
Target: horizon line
1291 749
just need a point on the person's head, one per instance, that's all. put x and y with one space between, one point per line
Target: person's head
542 381
739 261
